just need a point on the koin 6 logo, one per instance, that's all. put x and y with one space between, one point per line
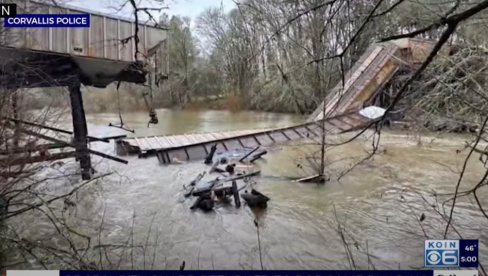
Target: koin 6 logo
441 253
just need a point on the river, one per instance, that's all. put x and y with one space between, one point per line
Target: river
368 219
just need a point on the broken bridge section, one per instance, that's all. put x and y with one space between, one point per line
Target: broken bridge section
105 52
344 106
189 147
370 74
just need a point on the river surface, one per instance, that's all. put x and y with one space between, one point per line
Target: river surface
368 219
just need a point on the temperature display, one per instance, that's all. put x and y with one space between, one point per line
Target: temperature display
468 253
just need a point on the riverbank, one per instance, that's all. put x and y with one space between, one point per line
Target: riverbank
231 103
102 104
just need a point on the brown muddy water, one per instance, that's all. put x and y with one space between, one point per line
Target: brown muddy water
377 205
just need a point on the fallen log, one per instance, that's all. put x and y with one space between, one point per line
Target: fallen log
258 155
248 154
317 178
240 176
204 188
235 191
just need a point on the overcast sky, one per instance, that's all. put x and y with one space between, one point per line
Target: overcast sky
191 8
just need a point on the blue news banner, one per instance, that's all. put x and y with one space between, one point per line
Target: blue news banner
441 258
246 273
255 273
48 21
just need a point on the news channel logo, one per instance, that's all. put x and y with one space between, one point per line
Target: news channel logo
451 253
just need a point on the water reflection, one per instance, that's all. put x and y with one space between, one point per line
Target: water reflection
179 122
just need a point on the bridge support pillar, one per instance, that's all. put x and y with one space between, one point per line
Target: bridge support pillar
80 130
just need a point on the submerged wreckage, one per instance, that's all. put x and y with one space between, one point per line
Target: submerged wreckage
230 167
347 107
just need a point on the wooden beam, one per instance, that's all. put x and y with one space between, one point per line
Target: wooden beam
52 139
311 131
335 125
36 159
114 137
32 148
247 155
80 129
91 138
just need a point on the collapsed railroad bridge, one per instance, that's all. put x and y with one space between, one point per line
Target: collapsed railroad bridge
345 108
105 53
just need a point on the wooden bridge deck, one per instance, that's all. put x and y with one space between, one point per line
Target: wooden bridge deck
154 143
188 147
